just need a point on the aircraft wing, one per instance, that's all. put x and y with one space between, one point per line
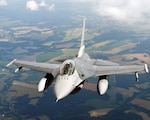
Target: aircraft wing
100 62
108 70
43 67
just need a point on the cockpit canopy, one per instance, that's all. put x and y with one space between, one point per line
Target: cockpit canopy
67 67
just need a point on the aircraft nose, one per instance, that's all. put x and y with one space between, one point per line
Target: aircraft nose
63 87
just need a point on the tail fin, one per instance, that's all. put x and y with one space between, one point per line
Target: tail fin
82 46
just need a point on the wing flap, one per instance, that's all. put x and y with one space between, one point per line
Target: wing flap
108 70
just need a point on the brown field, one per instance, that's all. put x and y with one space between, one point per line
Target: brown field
125 92
100 112
23 84
143 115
143 57
103 43
142 103
74 32
65 45
145 85
114 90
121 48
21 88
140 57
90 86
26 29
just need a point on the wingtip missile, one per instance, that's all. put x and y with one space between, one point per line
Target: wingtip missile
146 68
9 64
137 76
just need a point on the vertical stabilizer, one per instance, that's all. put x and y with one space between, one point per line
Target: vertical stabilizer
82 46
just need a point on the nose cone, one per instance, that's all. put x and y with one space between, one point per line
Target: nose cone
63 87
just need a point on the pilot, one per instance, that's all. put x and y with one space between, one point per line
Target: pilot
66 68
